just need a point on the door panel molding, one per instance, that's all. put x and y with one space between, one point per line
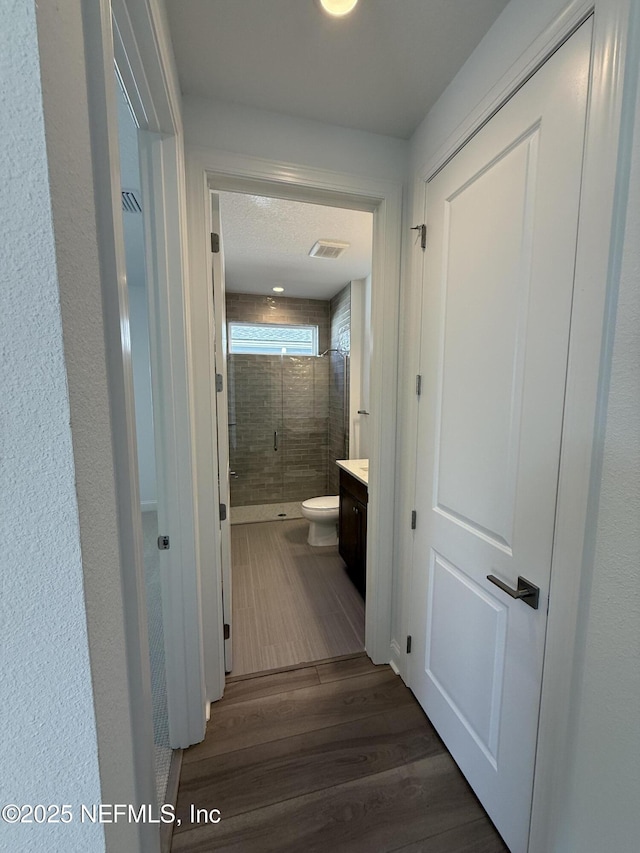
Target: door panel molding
442 662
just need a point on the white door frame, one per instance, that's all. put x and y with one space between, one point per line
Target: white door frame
615 47
222 406
142 56
135 721
219 170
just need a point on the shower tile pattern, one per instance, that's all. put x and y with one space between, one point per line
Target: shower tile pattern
340 331
284 394
251 308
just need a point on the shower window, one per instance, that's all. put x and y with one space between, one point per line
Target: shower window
272 339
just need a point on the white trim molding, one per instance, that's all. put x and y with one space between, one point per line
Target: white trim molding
222 170
600 232
143 57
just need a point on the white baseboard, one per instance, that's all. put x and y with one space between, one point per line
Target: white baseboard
171 797
396 658
148 506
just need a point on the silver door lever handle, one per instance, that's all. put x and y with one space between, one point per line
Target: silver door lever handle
526 591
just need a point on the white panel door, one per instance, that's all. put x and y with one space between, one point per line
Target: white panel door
502 221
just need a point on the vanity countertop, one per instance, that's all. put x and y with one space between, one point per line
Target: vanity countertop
358 468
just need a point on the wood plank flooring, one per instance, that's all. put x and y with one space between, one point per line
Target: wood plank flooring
291 603
332 757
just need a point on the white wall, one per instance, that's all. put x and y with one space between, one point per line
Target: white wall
602 807
133 225
601 810
273 136
49 748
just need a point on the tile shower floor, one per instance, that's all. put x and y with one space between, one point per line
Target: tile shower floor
265 512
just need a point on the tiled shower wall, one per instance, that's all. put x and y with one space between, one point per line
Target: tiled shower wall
283 394
249 308
340 331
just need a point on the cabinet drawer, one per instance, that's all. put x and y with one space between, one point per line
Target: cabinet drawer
354 487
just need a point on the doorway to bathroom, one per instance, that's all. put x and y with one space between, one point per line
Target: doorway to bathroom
295 330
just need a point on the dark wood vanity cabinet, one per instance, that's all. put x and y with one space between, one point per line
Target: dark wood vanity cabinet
352 529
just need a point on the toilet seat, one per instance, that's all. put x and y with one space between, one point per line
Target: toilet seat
326 504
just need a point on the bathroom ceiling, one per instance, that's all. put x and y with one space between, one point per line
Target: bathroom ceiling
266 242
379 69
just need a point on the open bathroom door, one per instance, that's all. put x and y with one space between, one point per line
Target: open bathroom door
220 357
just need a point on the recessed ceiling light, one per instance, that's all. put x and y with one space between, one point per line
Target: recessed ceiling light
338 8
278 289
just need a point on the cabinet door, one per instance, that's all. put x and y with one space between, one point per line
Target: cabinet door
360 578
348 530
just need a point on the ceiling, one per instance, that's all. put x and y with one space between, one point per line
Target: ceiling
266 243
379 69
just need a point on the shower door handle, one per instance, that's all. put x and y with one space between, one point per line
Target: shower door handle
275 439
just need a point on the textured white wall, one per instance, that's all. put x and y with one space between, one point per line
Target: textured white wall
49 745
273 136
604 796
124 757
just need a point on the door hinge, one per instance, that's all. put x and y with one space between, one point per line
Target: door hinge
409 644
423 234
227 630
223 512
163 543
215 243
418 384
219 383
414 519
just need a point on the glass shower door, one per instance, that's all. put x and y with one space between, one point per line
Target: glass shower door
305 405
255 429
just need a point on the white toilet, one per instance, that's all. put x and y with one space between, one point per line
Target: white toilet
323 519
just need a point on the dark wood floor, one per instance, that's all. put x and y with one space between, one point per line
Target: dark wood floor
337 757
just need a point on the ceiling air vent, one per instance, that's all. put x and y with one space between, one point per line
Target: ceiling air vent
131 201
330 249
